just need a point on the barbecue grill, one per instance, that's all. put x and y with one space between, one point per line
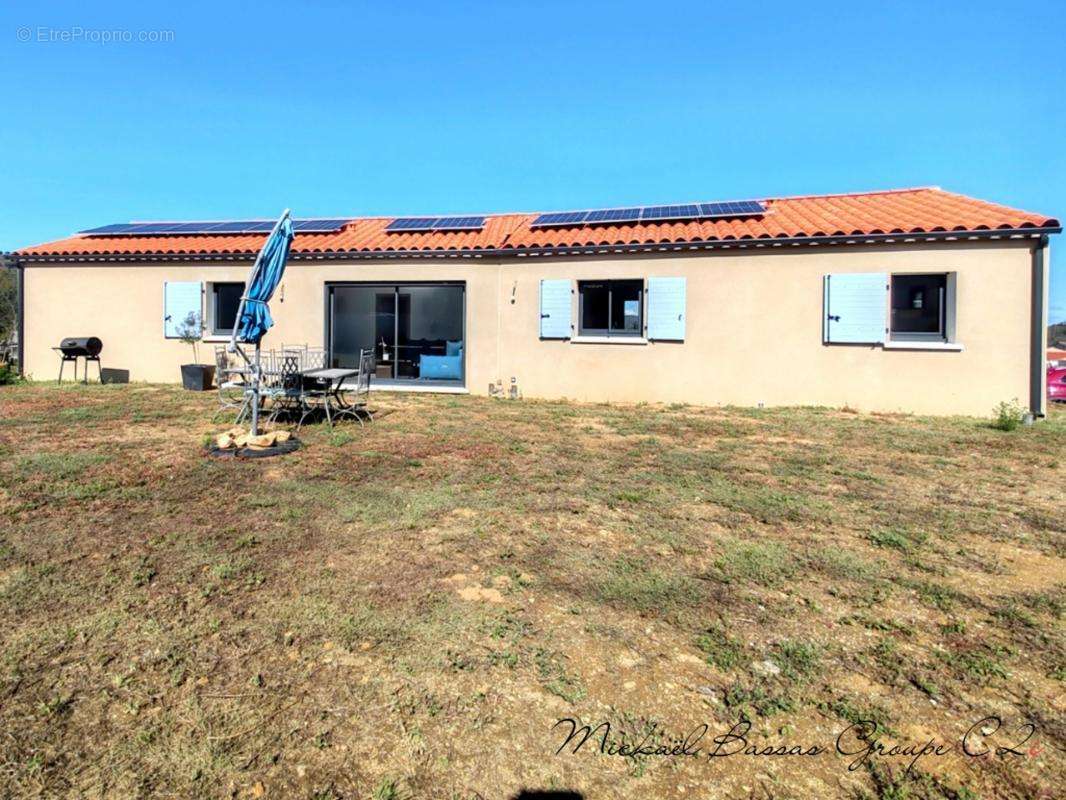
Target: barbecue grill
73 348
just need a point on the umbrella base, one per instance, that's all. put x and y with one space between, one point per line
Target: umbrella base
242 453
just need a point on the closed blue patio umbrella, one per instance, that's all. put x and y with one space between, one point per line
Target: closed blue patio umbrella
253 314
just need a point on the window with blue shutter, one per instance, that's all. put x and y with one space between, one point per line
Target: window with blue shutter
856 306
666 309
555 309
611 308
180 298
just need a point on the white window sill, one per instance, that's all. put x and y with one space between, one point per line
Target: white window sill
215 339
951 347
609 340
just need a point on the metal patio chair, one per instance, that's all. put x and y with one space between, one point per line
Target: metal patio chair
315 398
297 350
231 377
309 357
285 385
314 358
354 396
311 395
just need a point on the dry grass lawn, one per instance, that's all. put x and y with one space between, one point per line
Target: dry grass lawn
405 611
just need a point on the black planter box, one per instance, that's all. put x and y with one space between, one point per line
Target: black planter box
112 375
197 377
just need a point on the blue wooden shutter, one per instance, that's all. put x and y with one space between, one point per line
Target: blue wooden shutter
666 308
855 307
180 298
555 309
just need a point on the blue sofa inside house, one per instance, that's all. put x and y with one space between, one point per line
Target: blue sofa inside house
448 367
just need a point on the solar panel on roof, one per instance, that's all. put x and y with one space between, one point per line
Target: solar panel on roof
682 211
561 218
118 227
741 208
237 226
173 227
661 213
424 224
613 215
245 226
115 229
411 224
459 223
319 225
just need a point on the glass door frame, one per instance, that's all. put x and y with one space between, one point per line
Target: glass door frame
395 286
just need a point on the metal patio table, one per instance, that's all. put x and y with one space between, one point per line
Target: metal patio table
331 380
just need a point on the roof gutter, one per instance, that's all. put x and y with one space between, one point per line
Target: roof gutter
797 241
589 249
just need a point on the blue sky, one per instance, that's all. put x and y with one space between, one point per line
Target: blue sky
349 108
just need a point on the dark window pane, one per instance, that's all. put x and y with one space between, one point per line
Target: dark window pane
626 306
594 307
227 301
430 321
364 318
916 301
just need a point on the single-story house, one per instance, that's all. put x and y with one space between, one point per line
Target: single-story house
917 300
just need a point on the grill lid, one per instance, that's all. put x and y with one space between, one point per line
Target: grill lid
81 346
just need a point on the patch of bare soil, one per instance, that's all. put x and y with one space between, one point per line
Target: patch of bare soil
415 609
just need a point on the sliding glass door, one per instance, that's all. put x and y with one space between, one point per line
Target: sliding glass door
363 318
416 331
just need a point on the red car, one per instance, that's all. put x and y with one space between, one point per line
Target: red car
1056 383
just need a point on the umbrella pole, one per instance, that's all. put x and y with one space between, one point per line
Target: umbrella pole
256 378
252 392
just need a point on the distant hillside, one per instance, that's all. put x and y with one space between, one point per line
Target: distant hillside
1056 335
8 303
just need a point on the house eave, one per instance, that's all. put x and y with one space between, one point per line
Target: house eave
765 244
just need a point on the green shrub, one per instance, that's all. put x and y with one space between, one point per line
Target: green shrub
722 650
767 563
634 584
9 374
761 700
897 538
1007 416
842 564
797 659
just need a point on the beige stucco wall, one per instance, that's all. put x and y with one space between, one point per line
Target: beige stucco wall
754 325
123 306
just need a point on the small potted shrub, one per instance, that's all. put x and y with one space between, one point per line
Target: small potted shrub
194 377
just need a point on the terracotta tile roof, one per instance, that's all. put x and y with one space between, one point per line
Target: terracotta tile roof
902 211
